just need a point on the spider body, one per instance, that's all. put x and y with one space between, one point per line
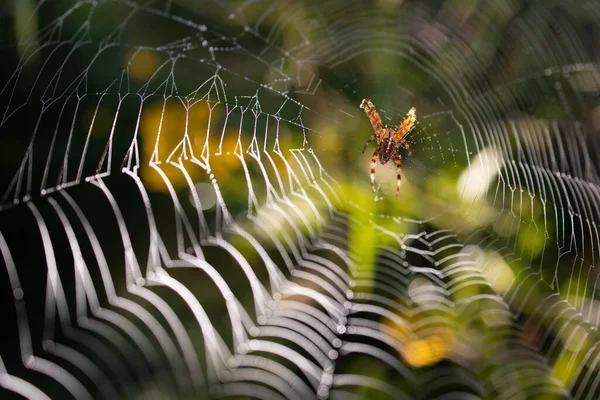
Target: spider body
388 139
386 148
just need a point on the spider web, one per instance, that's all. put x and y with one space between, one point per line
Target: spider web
185 211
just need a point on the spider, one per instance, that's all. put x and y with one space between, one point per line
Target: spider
388 141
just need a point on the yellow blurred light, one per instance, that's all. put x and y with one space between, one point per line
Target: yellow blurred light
225 161
161 134
423 352
142 64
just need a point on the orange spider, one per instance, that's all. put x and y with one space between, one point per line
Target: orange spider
388 141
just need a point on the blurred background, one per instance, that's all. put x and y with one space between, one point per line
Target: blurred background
186 211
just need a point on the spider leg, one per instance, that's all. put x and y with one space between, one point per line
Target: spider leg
373 136
407 125
399 177
372 113
373 160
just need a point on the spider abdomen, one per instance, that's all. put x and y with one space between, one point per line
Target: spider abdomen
387 148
